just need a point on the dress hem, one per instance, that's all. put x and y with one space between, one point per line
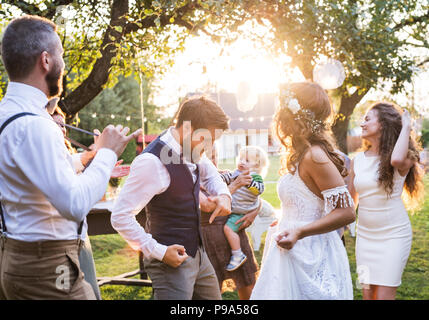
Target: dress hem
381 284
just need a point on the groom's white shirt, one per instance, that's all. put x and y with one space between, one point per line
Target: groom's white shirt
149 177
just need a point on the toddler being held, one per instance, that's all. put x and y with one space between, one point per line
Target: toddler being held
254 160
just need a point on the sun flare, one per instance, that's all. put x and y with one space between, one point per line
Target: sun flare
243 67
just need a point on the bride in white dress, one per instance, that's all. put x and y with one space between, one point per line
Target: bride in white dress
304 257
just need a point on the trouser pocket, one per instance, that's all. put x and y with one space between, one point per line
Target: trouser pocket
75 274
50 276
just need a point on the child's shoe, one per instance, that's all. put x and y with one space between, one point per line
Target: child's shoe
236 262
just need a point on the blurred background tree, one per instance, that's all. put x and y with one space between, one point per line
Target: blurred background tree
372 39
425 133
107 38
121 105
381 44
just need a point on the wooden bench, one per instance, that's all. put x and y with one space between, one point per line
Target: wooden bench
99 223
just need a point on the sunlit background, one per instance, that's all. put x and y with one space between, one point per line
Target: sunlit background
243 67
247 69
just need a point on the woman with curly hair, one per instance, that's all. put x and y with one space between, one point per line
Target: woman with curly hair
386 170
304 257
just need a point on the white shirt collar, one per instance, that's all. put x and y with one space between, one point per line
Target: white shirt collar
169 139
35 97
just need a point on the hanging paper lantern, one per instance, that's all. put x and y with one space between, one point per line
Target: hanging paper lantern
329 74
246 97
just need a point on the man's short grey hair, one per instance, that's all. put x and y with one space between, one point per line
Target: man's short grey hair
24 39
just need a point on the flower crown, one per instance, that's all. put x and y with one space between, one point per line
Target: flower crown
288 101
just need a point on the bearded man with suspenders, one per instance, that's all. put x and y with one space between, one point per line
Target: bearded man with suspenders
44 203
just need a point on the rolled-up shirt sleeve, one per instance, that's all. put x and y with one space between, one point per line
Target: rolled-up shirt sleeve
148 177
46 165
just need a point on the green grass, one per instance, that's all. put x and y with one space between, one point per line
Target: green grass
113 256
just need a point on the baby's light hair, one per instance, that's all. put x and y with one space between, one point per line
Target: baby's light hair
257 155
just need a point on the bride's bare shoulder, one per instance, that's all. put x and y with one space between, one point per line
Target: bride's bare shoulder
315 155
321 169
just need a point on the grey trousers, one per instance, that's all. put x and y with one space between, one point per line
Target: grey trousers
194 279
87 266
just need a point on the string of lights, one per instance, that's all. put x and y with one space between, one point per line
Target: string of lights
130 116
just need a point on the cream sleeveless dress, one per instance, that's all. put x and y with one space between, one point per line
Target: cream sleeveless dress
384 234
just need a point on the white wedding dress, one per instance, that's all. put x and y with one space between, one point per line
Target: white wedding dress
317 267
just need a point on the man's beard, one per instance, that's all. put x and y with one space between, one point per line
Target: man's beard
54 80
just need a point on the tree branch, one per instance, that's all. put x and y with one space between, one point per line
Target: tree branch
164 20
25 7
32 9
99 75
423 62
411 21
340 127
49 13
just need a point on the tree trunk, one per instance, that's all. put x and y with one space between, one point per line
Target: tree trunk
99 75
341 125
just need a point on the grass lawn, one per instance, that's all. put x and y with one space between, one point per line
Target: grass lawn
113 256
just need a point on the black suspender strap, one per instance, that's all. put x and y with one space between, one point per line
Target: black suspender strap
14 117
3 224
5 124
79 230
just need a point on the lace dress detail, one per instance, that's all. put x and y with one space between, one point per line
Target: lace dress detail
337 197
317 267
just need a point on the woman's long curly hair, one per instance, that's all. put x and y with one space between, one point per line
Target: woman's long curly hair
298 135
389 117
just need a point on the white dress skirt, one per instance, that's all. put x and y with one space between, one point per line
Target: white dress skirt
384 233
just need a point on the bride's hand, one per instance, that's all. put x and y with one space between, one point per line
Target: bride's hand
287 239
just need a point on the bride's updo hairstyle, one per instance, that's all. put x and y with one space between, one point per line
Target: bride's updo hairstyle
303 119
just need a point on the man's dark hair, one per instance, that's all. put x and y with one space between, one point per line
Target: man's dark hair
203 113
24 39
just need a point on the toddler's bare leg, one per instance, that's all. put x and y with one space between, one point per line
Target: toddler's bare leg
232 237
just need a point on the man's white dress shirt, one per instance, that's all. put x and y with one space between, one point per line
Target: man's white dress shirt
149 177
43 198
